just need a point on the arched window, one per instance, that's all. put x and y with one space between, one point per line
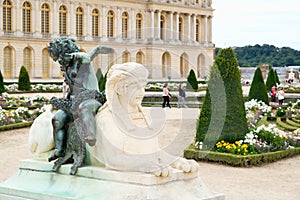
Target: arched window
139 57
166 65
139 26
45 18
180 29
26 17
197 36
184 65
95 23
45 63
110 24
125 57
27 58
124 25
162 27
7 16
79 21
7 62
62 20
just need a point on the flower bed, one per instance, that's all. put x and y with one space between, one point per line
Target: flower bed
21 111
266 140
239 160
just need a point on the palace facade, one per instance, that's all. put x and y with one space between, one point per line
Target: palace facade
169 37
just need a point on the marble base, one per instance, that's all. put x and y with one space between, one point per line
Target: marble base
34 180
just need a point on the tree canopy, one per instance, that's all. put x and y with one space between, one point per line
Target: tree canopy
254 56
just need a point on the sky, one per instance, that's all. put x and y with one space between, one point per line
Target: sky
250 22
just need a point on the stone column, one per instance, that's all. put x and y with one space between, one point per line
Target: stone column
177 26
205 29
36 18
152 24
132 25
18 16
55 22
209 29
158 25
171 25
72 20
189 28
104 22
194 28
88 22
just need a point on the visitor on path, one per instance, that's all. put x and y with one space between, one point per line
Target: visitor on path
181 96
166 96
280 96
273 94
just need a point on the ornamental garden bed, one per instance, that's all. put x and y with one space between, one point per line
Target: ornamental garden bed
240 160
273 134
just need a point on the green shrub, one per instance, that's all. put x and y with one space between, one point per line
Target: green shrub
102 82
2 89
271 80
258 89
280 112
192 82
234 119
24 82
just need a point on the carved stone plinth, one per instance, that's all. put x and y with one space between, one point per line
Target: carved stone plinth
34 180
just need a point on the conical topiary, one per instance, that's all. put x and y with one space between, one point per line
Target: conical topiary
192 82
102 82
235 124
271 80
2 88
24 81
276 77
258 89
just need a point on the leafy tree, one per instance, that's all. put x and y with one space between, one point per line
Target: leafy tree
192 81
2 88
24 81
271 80
235 124
258 89
256 55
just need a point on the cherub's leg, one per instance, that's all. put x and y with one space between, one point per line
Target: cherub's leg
87 111
60 161
59 133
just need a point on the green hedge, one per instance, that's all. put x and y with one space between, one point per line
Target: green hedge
14 126
238 160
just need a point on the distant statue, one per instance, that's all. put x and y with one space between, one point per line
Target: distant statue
126 138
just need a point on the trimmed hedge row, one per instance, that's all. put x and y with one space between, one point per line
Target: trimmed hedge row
285 125
239 160
16 125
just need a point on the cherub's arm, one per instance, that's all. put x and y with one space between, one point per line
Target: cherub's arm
100 50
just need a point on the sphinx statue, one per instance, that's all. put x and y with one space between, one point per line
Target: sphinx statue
126 138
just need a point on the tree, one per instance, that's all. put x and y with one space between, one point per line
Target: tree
234 120
2 88
271 80
24 81
276 77
258 89
192 81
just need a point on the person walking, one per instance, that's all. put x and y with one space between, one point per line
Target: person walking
273 94
280 96
181 96
166 96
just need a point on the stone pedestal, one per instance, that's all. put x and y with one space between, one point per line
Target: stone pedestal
34 180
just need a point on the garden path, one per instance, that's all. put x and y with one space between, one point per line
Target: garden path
276 181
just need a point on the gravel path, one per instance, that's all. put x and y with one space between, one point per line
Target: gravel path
276 181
